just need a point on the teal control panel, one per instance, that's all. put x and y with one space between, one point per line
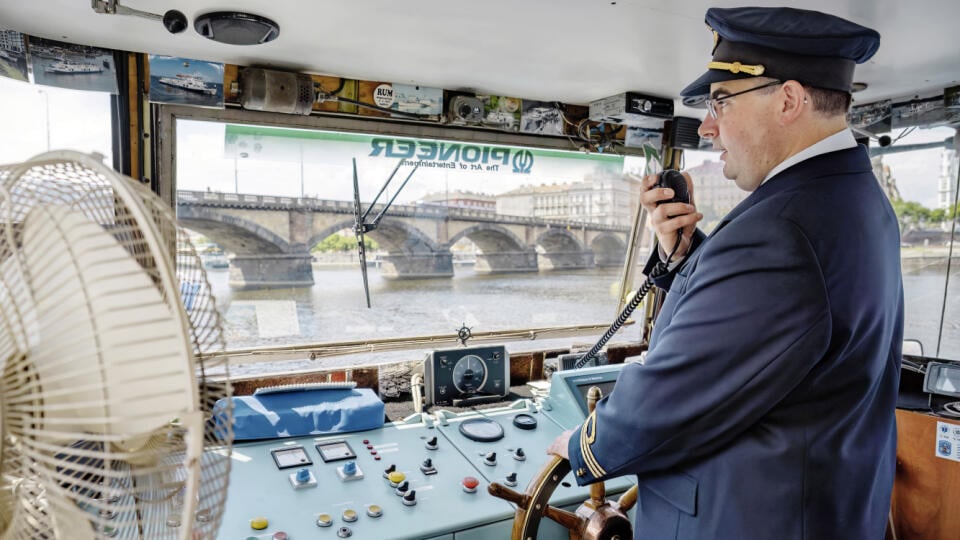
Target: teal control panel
423 478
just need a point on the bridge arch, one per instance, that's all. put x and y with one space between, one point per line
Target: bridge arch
609 249
501 251
234 234
559 249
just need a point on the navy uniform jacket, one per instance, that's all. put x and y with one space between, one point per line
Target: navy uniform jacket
765 408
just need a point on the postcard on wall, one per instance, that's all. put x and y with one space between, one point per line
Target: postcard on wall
419 100
541 117
183 81
77 67
13 55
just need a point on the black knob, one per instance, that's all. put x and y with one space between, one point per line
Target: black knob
432 443
403 487
491 458
519 455
410 498
388 470
428 463
512 477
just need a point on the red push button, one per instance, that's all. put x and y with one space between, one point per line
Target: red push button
470 484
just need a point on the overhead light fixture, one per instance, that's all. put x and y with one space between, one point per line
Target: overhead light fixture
236 28
174 21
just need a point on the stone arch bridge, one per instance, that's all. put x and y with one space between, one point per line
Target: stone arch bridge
271 237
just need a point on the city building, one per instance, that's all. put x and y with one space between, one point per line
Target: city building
947 187
11 41
463 199
600 197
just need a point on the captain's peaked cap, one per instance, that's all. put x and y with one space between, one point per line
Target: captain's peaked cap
813 48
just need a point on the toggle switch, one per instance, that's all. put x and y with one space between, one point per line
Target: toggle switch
431 444
427 467
490 459
511 480
519 455
410 499
402 488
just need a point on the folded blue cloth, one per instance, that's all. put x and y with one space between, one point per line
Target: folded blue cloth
304 412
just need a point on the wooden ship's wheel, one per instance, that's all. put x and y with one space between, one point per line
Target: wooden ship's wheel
595 519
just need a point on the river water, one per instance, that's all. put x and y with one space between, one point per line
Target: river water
334 308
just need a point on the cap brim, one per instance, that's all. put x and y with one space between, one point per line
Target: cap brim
697 92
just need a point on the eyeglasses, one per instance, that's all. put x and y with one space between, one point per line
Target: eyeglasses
715 105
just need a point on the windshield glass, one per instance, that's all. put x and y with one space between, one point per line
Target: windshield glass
493 238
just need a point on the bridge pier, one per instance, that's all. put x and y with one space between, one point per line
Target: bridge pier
270 271
433 265
506 261
565 260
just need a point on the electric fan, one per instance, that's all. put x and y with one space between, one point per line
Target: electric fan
108 417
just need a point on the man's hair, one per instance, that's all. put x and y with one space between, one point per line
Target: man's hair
828 102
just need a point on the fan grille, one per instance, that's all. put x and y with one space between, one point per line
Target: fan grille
76 461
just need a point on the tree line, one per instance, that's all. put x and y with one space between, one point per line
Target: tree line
338 243
914 215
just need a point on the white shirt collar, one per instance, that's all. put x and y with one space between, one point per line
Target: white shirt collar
840 140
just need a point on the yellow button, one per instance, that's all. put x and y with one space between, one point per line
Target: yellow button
259 523
396 477
374 511
349 515
324 520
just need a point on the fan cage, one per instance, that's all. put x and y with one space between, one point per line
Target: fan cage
71 483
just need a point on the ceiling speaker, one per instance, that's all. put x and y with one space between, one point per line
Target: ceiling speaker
236 28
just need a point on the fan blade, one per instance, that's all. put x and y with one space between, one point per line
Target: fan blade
111 357
358 231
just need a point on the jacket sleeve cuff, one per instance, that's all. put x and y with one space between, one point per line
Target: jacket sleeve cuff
583 473
666 280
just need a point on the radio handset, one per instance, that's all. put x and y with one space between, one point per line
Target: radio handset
672 179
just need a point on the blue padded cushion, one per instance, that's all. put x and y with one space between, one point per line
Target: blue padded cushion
307 412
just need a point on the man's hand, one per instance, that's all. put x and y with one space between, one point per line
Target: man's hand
559 445
667 220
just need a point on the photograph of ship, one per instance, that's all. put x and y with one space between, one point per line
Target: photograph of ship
409 98
541 117
186 82
13 56
77 67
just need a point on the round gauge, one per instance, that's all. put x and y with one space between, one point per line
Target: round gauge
469 374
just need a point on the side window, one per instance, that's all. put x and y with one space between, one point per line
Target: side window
922 184
38 118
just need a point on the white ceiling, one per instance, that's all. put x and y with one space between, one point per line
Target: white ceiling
573 51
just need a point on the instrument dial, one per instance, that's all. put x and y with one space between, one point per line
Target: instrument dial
469 374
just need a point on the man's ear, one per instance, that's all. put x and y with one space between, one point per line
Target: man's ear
794 101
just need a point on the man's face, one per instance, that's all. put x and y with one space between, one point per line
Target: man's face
743 129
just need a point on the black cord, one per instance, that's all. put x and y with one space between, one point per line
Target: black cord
660 269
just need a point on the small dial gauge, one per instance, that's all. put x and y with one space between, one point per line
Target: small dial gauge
469 374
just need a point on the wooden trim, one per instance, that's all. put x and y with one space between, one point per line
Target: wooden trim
926 486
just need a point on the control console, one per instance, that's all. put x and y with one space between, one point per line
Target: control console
422 478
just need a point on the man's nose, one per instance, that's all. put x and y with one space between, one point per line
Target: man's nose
708 128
